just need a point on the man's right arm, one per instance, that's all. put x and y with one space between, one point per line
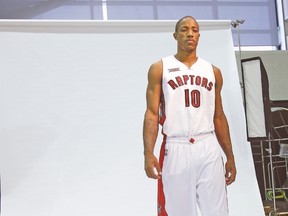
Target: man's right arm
151 119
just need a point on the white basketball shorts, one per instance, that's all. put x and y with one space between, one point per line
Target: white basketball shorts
193 175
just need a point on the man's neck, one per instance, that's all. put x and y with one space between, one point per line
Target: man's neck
187 58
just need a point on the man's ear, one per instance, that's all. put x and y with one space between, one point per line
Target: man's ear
175 35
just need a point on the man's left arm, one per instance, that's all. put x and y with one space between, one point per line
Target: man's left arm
222 129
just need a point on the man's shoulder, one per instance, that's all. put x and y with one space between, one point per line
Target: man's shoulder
156 65
159 64
204 61
156 69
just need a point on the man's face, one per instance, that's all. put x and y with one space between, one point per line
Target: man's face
187 34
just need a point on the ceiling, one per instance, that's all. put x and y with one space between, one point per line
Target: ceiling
26 9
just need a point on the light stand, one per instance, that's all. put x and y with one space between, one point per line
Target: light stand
272 175
235 24
258 111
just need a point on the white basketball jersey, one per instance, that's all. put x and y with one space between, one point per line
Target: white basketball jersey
188 102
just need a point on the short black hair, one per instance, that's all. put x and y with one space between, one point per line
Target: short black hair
179 21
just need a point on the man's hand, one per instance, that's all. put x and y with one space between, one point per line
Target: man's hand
230 174
152 167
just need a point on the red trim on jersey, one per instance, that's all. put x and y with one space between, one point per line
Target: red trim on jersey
162 110
161 196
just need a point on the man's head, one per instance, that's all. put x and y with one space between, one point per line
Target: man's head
187 33
180 20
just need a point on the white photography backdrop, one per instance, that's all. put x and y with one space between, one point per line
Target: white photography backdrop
72 100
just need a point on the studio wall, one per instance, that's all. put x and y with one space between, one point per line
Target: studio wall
72 102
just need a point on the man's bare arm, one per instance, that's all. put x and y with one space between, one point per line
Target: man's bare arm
151 119
222 130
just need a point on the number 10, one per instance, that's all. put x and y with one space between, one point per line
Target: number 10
194 96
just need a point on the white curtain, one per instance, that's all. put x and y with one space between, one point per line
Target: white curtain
72 100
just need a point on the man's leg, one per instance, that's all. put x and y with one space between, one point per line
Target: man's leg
179 180
211 186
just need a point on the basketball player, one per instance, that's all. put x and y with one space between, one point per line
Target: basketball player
183 95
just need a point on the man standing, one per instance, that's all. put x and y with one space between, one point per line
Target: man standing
183 95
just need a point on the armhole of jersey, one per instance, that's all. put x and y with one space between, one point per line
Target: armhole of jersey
162 100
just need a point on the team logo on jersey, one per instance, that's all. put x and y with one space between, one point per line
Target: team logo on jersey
173 69
190 80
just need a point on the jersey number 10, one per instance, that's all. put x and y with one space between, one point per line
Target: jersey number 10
192 98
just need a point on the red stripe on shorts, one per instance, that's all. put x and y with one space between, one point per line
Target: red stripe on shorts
161 196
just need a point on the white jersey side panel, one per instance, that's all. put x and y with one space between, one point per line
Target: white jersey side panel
188 102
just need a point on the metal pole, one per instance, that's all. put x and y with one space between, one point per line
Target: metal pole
272 174
239 43
235 24
263 169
